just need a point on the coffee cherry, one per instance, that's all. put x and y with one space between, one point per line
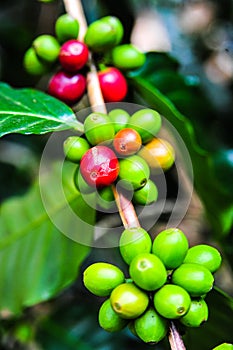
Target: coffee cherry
98 128
159 154
134 241
134 172
224 346
204 255
128 301
147 194
100 36
197 314
67 87
127 142
116 24
105 198
171 246
81 184
194 278
151 327
101 278
32 64
146 122
109 320
99 166
75 147
46 47
73 55
127 56
119 119
147 271
172 301
113 84
66 28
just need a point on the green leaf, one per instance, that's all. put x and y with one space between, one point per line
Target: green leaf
218 203
37 260
29 111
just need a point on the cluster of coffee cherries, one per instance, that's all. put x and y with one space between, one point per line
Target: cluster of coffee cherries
167 281
102 40
118 148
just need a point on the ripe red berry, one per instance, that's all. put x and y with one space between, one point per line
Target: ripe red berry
67 87
113 84
127 141
73 55
99 166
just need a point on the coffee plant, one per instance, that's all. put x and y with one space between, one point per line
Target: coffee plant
99 147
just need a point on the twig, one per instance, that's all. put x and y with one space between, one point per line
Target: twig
126 209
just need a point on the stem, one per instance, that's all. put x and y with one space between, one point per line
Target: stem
126 209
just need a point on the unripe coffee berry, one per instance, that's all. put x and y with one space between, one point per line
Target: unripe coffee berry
98 128
46 47
134 241
106 200
134 172
75 147
127 142
32 64
116 24
73 55
194 278
197 314
99 166
147 194
146 122
147 271
151 327
159 154
127 56
119 118
66 28
113 84
101 278
67 87
171 246
109 320
128 301
172 301
81 185
100 36
224 346
204 255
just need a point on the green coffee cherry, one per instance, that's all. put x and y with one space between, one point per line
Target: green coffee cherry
127 56
134 172
32 64
98 128
151 327
81 184
105 198
109 320
224 346
119 119
101 36
147 194
116 24
66 28
146 122
46 47
147 271
101 278
134 241
131 327
204 255
171 246
172 301
128 301
197 314
75 147
194 278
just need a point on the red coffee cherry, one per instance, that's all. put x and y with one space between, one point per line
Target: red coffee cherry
99 166
67 87
127 141
73 55
113 84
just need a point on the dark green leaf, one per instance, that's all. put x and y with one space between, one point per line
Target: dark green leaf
29 111
37 260
218 203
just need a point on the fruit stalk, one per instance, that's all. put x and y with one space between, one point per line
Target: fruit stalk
126 209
